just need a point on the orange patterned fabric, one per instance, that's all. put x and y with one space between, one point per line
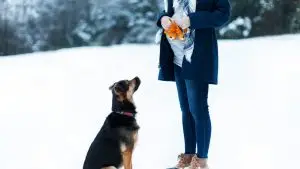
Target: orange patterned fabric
175 32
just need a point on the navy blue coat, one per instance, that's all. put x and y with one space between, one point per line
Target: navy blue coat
209 15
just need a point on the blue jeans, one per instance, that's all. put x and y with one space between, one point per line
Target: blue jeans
195 115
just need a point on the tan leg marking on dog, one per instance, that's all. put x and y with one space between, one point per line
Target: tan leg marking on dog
127 159
127 154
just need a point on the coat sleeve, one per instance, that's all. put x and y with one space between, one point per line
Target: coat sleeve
211 19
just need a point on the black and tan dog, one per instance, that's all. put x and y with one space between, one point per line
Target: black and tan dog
114 144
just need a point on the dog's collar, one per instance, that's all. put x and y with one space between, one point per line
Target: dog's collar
126 113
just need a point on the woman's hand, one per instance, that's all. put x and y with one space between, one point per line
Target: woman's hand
165 22
183 22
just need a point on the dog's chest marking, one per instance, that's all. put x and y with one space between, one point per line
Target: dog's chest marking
123 147
129 140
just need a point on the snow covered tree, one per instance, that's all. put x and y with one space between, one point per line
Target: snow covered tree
295 20
119 21
10 40
56 21
262 17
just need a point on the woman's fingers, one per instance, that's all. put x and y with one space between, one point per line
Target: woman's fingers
165 22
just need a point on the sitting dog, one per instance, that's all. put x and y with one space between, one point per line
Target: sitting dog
114 144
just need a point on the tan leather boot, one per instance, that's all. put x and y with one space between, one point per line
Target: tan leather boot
198 163
184 160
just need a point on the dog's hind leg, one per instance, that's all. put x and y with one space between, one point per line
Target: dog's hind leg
110 167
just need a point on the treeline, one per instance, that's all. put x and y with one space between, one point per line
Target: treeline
49 25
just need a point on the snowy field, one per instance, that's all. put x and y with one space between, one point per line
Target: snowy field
53 104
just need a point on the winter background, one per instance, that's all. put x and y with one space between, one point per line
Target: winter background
60 56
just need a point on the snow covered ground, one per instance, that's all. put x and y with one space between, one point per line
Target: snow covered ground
52 105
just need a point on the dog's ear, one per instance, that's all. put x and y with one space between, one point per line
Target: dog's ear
112 86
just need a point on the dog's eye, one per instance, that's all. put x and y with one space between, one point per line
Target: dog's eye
121 87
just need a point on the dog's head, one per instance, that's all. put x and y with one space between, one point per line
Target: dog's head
123 90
